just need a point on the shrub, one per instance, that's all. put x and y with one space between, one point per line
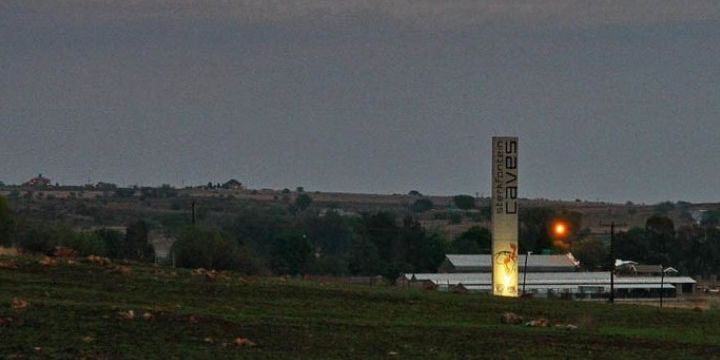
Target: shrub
714 305
455 218
177 205
303 201
328 265
136 242
204 247
464 202
113 242
84 243
35 238
42 238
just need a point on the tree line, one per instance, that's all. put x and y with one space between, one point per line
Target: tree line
301 239
692 249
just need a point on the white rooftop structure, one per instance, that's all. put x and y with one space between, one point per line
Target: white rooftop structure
619 263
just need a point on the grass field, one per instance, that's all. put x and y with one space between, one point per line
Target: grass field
81 311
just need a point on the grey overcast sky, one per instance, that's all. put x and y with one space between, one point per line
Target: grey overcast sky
612 100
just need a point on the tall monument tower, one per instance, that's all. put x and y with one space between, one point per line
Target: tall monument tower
505 211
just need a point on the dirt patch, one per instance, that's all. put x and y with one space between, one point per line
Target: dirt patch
11 251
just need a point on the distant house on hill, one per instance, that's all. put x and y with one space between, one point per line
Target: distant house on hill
38 181
233 185
105 186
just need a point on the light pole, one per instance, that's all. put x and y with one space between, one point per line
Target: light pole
612 259
662 283
525 271
612 263
193 212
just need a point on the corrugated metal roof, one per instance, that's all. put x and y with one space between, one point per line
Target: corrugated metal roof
530 287
485 260
642 286
648 268
551 278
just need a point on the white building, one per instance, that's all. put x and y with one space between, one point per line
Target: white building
572 284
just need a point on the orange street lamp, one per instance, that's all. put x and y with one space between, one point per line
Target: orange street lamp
560 234
560 229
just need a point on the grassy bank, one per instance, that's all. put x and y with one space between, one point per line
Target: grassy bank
82 310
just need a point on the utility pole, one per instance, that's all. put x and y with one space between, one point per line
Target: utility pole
193 212
525 271
662 283
612 258
612 262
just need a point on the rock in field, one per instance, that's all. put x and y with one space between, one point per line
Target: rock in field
538 323
511 318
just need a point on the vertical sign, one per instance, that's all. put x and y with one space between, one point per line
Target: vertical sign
505 216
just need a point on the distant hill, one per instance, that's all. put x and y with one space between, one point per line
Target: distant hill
115 206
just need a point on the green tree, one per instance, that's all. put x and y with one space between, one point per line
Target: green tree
592 253
710 218
290 254
113 241
643 246
382 230
535 225
137 246
711 251
256 226
6 223
399 248
330 234
35 237
476 240
364 258
665 207
303 201
427 253
199 246
632 245
696 250
422 205
464 202
660 231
